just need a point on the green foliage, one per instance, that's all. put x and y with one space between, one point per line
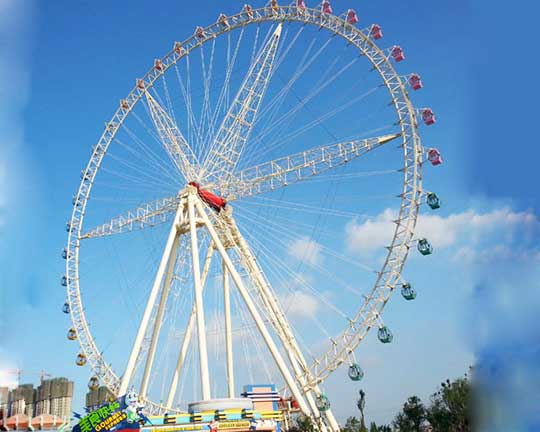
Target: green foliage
374 428
412 416
450 407
352 425
449 410
302 424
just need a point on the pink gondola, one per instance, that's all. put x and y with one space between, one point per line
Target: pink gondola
397 53
415 82
178 48
140 84
434 156
326 7
300 4
352 17
248 10
199 31
223 20
158 65
428 117
376 31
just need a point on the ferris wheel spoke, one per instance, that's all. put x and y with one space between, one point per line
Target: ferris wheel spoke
146 215
223 95
282 139
172 139
236 127
279 122
281 172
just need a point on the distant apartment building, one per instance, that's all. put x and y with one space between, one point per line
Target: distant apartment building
54 396
4 402
95 398
21 400
26 407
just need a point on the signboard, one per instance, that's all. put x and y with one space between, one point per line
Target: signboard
119 415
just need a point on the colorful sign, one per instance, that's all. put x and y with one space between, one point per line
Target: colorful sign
122 414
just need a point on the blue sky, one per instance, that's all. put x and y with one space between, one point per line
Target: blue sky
67 65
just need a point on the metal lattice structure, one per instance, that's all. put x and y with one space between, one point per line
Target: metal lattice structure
219 172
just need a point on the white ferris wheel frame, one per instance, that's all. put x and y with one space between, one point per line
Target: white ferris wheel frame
388 277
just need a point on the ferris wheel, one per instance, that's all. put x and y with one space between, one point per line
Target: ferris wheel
220 233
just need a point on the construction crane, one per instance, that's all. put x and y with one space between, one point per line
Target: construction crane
19 372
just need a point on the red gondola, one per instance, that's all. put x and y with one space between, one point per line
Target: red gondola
248 10
199 31
178 48
300 4
415 82
158 65
376 31
352 17
397 53
434 156
223 20
214 201
326 7
428 117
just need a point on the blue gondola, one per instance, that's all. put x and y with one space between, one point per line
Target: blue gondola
385 335
323 404
433 200
424 246
407 291
355 372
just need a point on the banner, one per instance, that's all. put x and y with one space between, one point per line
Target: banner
122 414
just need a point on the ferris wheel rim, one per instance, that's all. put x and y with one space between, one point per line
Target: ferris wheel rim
367 316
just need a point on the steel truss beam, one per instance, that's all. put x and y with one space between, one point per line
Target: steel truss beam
256 180
238 122
174 142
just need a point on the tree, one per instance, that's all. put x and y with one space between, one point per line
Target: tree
303 424
351 425
374 428
411 418
450 407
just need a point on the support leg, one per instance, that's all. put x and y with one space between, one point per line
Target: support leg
187 335
228 331
253 311
159 318
201 330
150 304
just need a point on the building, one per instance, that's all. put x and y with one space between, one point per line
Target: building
4 404
46 407
21 400
95 398
54 397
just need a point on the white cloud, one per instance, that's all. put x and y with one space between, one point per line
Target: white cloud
372 234
300 305
470 228
306 250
